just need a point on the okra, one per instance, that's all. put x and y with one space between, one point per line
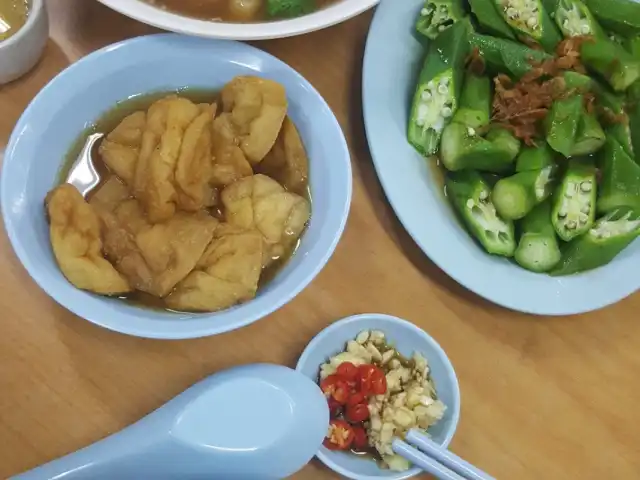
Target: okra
590 137
609 236
620 182
534 158
574 203
506 56
575 19
615 104
598 53
470 195
438 15
515 196
633 112
538 248
577 81
620 16
438 88
529 18
489 19
561 124
463 148
474 107
632 45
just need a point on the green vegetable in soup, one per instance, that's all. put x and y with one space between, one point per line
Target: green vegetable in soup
290 8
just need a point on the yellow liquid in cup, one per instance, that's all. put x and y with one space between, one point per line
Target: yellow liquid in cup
13 15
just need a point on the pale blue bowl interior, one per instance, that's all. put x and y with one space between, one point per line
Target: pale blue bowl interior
80 94
407 338
392 61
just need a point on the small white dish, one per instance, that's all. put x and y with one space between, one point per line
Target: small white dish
407 339
20 52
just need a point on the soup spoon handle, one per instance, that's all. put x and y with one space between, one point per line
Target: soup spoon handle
142 450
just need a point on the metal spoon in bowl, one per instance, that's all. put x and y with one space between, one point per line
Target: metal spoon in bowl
252 422
83 174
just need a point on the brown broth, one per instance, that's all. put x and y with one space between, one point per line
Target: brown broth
106 123
222 10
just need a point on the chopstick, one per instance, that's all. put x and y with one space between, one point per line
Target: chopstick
434 459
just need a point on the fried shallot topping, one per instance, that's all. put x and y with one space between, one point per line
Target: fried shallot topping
521 106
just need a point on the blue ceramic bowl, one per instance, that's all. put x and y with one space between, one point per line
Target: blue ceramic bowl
79 95
407 338
392 61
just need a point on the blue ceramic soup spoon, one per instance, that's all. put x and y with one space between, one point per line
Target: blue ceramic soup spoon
251 422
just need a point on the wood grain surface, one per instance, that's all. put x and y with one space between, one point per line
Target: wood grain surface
542 398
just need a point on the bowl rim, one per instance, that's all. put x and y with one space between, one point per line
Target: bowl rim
203 325
154 16
36 9
414 329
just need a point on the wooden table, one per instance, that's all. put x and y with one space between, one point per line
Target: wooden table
541 398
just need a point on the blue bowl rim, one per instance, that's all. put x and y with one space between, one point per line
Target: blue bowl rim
211 328
364 317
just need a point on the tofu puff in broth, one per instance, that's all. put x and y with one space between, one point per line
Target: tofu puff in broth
198 206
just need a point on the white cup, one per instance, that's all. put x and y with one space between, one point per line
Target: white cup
20 52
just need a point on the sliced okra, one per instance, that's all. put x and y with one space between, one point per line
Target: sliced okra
470 194
438 15
574 204
438 88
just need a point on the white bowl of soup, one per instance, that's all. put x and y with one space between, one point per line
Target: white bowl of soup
24 30
241 19
222 186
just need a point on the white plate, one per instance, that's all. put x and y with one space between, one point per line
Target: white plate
392 60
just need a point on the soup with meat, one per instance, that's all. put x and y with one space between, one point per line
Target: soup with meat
241 10
202 199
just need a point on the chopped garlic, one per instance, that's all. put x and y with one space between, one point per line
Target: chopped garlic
362 337
409 402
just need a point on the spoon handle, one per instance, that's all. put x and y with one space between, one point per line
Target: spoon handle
135 452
